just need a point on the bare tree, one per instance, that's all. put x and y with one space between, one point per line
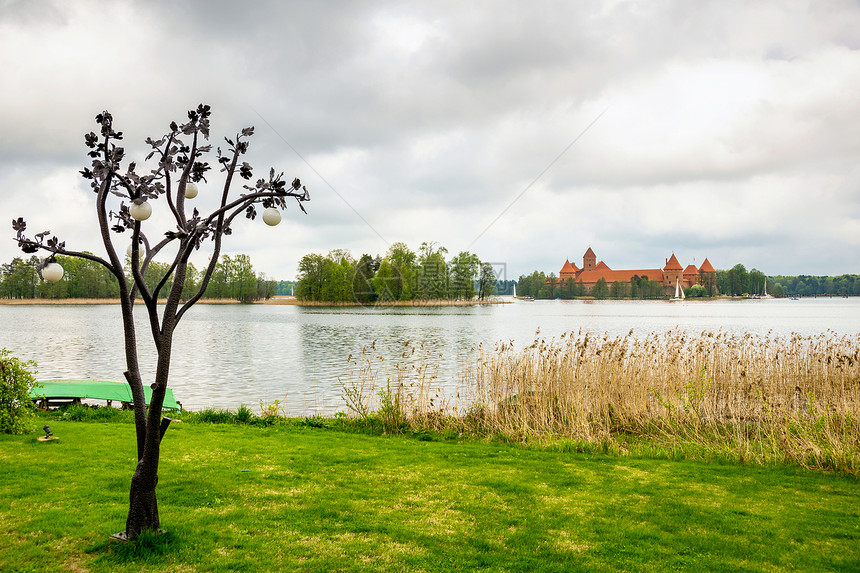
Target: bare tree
179 166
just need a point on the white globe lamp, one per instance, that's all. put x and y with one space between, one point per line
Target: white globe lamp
52 272
130 250
191 190
140 211
271 216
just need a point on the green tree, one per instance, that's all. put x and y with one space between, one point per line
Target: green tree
709 281
387 282
16 382
567 290
756 281
219 282
337 282
285 288
619 289
402 260
266 287
531 285
737 280
487 281
636 287
362 286
695 291
776 291
19 278
313 272
600 290
431 281
549 287
88 279
244 280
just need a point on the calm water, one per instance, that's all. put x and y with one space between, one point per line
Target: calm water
229 355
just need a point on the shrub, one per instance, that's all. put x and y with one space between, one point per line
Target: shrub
244 415
16 382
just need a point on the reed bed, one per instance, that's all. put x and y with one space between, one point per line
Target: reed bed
750 398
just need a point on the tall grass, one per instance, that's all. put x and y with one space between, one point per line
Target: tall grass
761 399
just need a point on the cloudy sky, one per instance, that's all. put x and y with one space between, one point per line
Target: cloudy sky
522 131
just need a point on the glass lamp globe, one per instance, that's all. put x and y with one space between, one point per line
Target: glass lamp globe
140 212
191 190
52 272
130 250
271 216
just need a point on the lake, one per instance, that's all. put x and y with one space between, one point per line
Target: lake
227 355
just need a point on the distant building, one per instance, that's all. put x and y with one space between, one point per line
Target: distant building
671 273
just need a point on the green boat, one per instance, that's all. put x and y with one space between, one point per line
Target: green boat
58 392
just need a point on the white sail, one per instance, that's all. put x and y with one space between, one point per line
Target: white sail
515 290
679 292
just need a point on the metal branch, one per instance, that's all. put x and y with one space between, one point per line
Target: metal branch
216 250
258 195
183 182
67 253
173 208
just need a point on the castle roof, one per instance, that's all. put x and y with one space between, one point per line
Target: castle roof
601 266
691 270
707 267
568 268
589 253
672 264
610 276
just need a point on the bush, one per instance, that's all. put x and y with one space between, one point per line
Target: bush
244 415
16 406
696 291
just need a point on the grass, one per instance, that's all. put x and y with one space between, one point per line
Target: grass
296 496
759 399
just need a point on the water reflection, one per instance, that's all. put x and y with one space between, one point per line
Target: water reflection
229 355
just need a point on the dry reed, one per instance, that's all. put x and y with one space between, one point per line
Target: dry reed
762 399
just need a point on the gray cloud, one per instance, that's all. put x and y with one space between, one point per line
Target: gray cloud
731 129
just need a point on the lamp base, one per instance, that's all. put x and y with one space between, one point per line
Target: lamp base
121 536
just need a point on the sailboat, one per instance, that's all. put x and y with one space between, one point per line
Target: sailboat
764 294
679 292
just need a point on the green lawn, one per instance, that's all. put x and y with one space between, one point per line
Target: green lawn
239 498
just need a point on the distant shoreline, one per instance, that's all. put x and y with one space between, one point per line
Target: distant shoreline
418 302
284 301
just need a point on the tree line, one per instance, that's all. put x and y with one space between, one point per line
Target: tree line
401 275
737 281
233 278
806 285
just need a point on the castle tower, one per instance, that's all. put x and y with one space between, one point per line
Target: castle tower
672 272
589 260
568 271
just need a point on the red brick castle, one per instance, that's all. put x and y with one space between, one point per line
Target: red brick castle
672 273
